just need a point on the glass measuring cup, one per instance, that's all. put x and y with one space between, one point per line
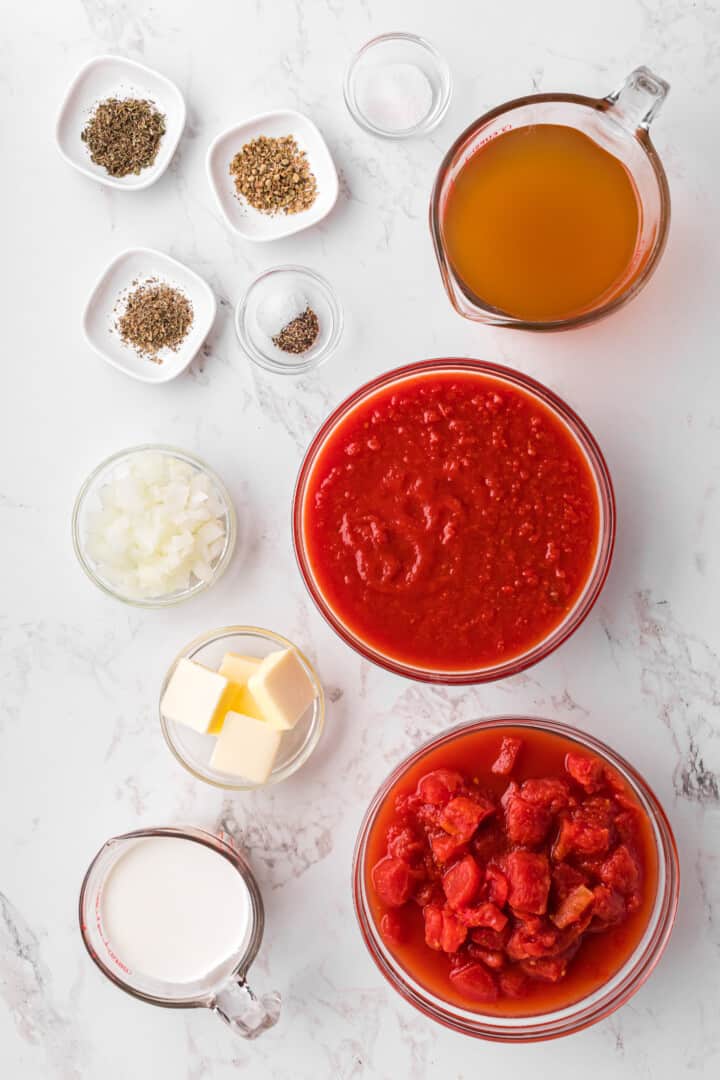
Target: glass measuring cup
618 123
224 990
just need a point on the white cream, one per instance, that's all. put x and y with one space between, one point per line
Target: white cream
175 910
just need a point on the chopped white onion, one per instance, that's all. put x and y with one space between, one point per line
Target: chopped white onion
160 526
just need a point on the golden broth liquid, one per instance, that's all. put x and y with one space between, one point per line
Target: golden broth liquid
542 223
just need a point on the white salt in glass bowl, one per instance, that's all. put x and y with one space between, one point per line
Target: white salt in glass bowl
127 269
88 500
115 76
321 298
194 750
398 48
245 219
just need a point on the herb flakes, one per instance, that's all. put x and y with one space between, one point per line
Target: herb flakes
274 176
156 316
123 135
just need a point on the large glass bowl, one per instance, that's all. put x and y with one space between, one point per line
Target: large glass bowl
587 1010
606 528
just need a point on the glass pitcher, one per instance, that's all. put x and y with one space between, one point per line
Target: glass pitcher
228 993
619 123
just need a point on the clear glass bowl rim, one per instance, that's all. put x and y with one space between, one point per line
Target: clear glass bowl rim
317 723
498 318
173 598
322 355
606 539
434 117
636 970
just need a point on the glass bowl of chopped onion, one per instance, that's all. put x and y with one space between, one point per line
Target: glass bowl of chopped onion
152 526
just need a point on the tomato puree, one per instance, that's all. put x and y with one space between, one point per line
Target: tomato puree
511 871
451 521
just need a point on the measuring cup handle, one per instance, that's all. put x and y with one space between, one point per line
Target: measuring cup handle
245 1013
638 101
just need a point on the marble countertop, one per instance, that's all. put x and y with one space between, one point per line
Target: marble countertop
81 754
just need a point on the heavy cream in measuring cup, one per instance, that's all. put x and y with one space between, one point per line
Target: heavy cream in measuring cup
175 910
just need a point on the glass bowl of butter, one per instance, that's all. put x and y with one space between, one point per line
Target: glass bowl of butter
241 707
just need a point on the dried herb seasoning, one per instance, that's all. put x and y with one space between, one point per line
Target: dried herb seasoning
274 176
123 135
155 316
300 334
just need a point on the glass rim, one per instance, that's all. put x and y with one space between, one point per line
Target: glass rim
316 726
494 316
216 843
433 118
323 354
605 541
172 598
585 1011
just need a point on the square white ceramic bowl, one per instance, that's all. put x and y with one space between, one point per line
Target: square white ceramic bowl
244 219
106 304
114 76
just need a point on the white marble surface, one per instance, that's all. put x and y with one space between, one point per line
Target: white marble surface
81 755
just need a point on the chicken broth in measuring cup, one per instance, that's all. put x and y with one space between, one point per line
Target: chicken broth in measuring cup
542 223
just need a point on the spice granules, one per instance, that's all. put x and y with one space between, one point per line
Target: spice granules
156 316
123 135
300 334
274 175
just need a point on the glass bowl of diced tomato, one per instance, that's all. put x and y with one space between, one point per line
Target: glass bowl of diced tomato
515 879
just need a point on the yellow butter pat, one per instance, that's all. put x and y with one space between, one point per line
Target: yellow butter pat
238 669
282 689
246 747
197 697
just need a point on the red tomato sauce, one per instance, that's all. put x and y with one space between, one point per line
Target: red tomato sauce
512 891
451 521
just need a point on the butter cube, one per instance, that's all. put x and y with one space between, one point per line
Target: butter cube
246 747
197 697
282 689
238 669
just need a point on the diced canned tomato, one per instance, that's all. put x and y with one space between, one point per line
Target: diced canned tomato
474 981
462 815
529 877
504 763
462 882
393 881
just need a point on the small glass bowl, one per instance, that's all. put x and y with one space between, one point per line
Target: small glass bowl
194 750
404 49
88 497
321 298
606 527
580 1014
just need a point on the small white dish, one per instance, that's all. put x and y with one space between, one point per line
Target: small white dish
114 76
320 297
105 305
244 219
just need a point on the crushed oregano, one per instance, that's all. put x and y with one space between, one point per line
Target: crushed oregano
123 135
300 334
155 316
274 176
